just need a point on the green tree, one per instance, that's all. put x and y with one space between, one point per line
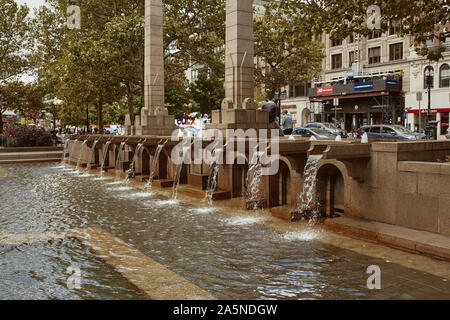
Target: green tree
288 51
14 39
424 20
10 98
207 94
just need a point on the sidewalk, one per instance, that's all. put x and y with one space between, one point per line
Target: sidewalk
421 242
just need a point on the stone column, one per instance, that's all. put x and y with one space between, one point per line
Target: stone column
154 56
239 52
154 118
238 108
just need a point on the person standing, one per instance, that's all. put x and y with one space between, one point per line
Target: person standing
286 123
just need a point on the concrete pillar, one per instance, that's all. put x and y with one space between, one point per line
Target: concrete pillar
154 58
239 52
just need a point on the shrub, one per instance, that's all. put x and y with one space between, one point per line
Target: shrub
27 136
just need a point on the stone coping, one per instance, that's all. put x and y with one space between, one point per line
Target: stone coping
425 167
30 149
411 146
158 282
422 242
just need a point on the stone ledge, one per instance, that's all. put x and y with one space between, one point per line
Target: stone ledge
421 242
424 167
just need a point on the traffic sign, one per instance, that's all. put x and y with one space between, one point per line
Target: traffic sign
336 102
419 96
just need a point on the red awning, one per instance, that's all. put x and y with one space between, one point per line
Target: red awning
433 110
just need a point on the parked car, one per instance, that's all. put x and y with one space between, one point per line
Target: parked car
309 132
447 133
188 131
384 131
328 127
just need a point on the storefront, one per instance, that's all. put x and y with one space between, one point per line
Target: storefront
361 103
417 120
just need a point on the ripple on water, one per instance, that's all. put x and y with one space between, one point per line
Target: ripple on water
120 189
101 179
202 210
115 183
163 203
243 221
138 195
304 235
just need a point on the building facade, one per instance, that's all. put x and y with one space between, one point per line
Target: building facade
375 80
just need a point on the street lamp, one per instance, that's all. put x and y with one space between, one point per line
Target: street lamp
429 82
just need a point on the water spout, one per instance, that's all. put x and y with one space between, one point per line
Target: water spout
149 183
91 155
212 178
131 172
119 157
179 167
307 205
253 181
66 145
81 154
105 154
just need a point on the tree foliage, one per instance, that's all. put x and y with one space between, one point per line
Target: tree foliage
424 20
14 39
288 51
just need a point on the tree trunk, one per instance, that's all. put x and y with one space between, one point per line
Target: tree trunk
100 114
130 102
1 123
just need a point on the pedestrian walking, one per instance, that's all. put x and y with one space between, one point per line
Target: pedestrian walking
286 123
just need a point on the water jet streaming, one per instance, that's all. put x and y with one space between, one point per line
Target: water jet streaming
131 172
308 204
91 155
105 153
149 183
179 167
119 157
81 154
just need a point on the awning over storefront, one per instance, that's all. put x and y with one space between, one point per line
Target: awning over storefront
424 110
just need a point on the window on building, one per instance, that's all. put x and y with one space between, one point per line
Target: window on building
336 61
351 38
394 27
351 58
335 42
374 35
446 43
444 76
291 91
431 70
301 90
430 43
374 55
396 51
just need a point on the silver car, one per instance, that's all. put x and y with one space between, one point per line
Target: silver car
312 132
328 127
